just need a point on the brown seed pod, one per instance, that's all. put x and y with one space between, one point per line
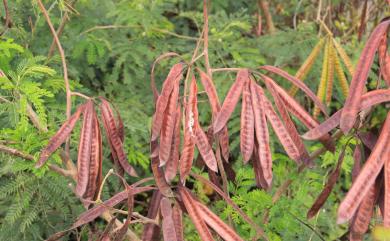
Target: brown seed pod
172 79
247 124
231 100
84 155
60 137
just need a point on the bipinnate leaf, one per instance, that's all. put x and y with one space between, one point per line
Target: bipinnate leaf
359 78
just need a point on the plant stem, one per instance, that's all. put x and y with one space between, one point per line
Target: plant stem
206 39
64 66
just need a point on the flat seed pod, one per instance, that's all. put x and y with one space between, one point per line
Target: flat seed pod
212 220
96 211
341 77
344 56
173 78
369 99
168 225
361 220
151 231
292 131
205 149
173 162
190 121
359 78
307 65
113 137
168 126
261 131
324 76
384 59
297 83
231 100
299 112
84 155
330 75
60 137
259 175
215 107
158 174
332 179
211 92
367 175
281 131
247 124
195 215
177 216
386 213
95 162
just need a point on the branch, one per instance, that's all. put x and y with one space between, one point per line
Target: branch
268 17
7 24
63 60
16 152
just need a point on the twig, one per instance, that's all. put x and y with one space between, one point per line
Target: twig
7 24
26 156
98 198
164 31
206 39
16 152
225 69
80 95
64 66
267 14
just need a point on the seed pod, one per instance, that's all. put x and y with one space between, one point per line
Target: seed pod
247 124
168 126
348 116
95 162
341 77
347 61
172 79
261 131
195 215
330 75
173 162
60 137
324 76
84 155
307 65
367 175
231 100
